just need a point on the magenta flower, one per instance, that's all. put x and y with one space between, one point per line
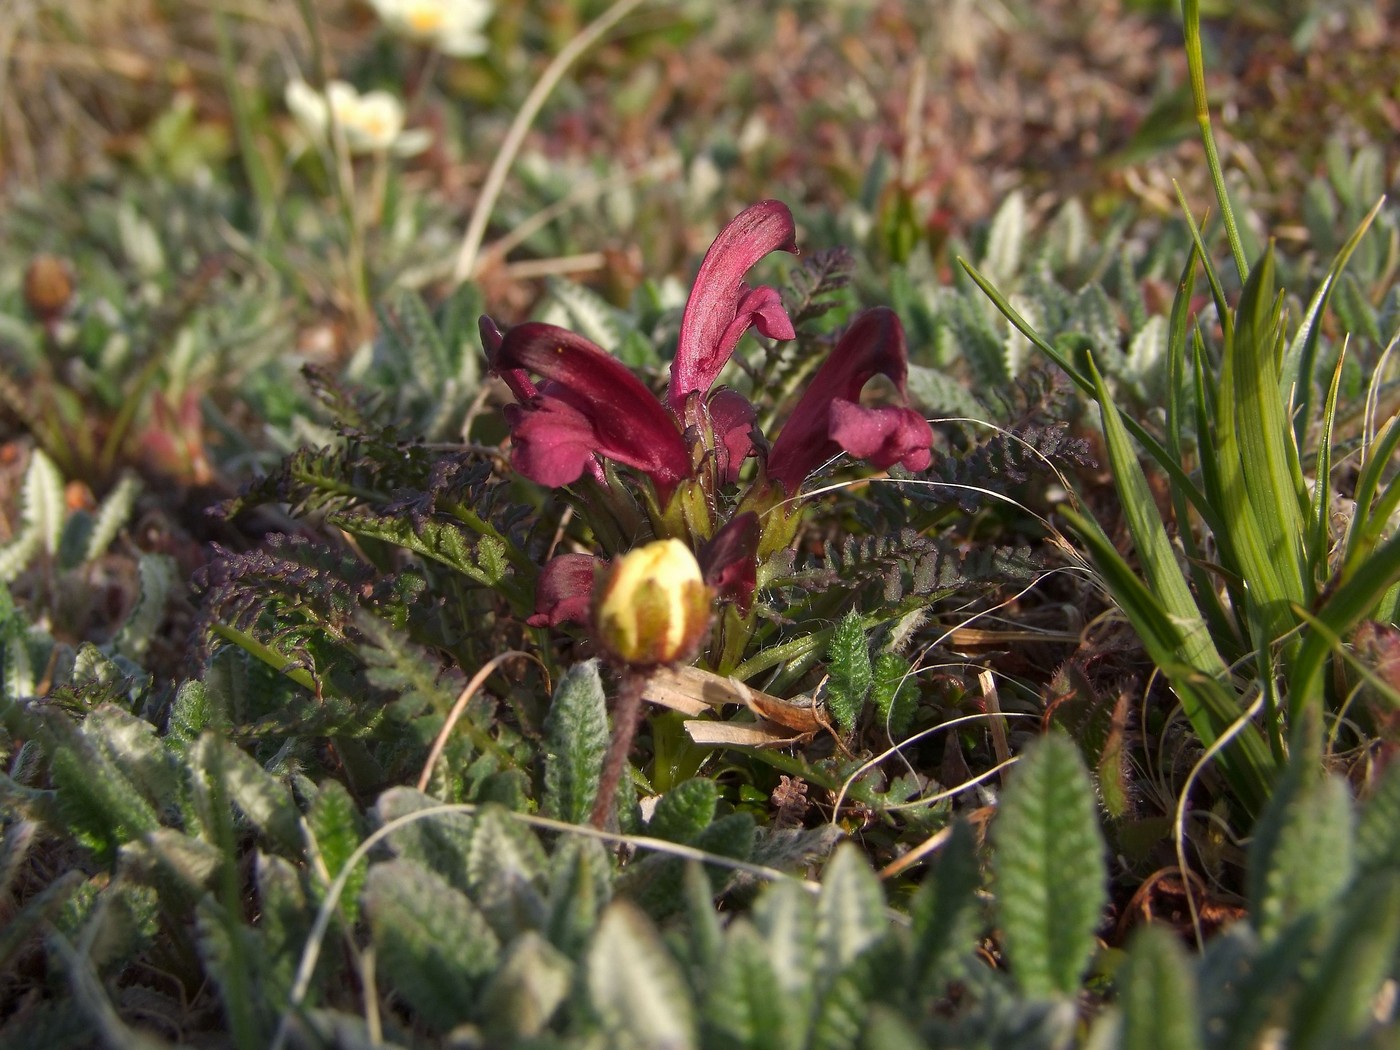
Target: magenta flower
829 418
590 405
587 405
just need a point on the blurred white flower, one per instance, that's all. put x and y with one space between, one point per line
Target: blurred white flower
371 123
452 26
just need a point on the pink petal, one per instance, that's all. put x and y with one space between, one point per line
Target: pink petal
721 307
516 378
873 344
591 403
564 592
882 436
729 560
732 416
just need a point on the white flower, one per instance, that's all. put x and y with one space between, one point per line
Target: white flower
371 123
452 26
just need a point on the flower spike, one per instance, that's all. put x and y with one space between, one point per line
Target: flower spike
721 308
829 418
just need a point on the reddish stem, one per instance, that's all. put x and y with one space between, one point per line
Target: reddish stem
627 715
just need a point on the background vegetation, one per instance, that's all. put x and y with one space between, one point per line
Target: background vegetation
1109 691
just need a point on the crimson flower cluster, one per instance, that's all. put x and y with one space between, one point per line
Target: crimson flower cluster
588 408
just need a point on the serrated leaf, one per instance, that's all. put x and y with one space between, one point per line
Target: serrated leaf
112 515
1147 353
133 746
944 912
158 575
740 1008
1300 859
1050 870
634 984
434 947
284 921
100 806
259 796
684 811
1006 239
587 313
190 714
848 665
943 395
16 555
531 984
1339 998
441 842
850 909
1016 347
576 735
43 506
1157 995
337 828
505 865
166 854
895 693
580 885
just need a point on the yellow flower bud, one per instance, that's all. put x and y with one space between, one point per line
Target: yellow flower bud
654 607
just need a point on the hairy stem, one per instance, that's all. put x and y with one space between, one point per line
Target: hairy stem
627 713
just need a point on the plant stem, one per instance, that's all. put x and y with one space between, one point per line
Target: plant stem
627 711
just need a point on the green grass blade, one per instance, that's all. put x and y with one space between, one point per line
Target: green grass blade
1301 357
1373 512
1320 526
1354 599
1191 17
1269 473
1154 547
1169 463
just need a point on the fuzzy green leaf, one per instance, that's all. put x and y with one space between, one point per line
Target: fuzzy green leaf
786 917
111 517
1157 995
505 873
1338 999
576 734
1378 831
944 912
850 909
441 842
1050 871
434 947
684 811
849 669
741 1008
895 692
259 796
580 884
1300 859
337 828
190 714
635 986
532 983
44 507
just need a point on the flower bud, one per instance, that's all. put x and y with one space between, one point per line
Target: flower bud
48 286
654 607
